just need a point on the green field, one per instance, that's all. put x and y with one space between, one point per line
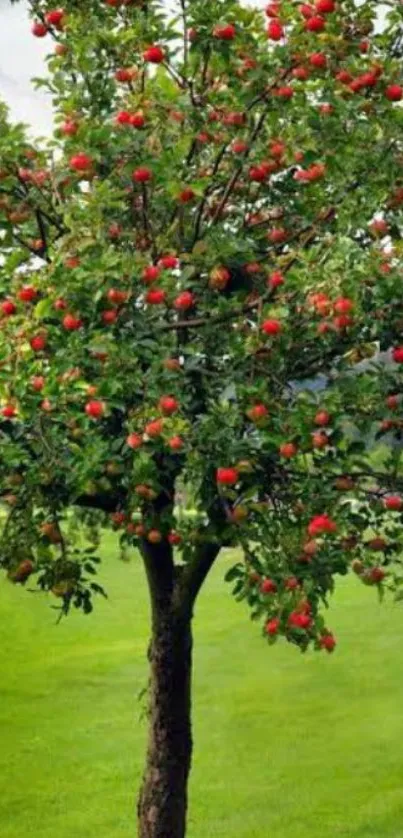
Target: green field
287 746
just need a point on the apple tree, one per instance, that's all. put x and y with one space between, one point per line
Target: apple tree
201 295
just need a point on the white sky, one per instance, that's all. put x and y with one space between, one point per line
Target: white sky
21 57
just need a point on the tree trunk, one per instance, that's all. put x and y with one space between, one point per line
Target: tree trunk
162 804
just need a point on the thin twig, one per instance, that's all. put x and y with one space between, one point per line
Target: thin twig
185 37
236 175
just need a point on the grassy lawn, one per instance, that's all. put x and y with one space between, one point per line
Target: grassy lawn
287 746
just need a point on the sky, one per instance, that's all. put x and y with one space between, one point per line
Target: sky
21 57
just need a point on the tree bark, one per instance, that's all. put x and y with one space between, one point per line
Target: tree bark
162 803
162 806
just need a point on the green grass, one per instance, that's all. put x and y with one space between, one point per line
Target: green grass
287 746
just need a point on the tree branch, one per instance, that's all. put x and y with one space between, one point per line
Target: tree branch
106 502
236 175
207 192
160 570
40 254
185 36
195 574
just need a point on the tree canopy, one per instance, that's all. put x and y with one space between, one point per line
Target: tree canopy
215 225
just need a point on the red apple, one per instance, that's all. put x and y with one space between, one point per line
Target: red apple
344 77
275 280
142 175
299 621
123 118
150 274
169 262
39 29
154 537
109 316
328 642
224 32
80 162
8 411
118 518
186 300
27 293
219 278
310 548
71 323
172 364
273 9
306 10
318 60
38 342
239 146
275 30
288 450
300 73
343 305
272 626
397 354
277 235
95 409
37 383
291 584
124 75
176 443
320 440
322 418
55 18
394 92
155 297
257 412
154 54
343 321
392 402
186 195
268 586
69 128
72 262
321 524
116 296
60 304
394 502
168 405
315 24
114 231
377 543
271 327
8 308
257 174
376 575
134 441
227 476
155 428
137 120
325 7
379 227
21 573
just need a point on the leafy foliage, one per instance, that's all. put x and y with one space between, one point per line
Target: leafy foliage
198 273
